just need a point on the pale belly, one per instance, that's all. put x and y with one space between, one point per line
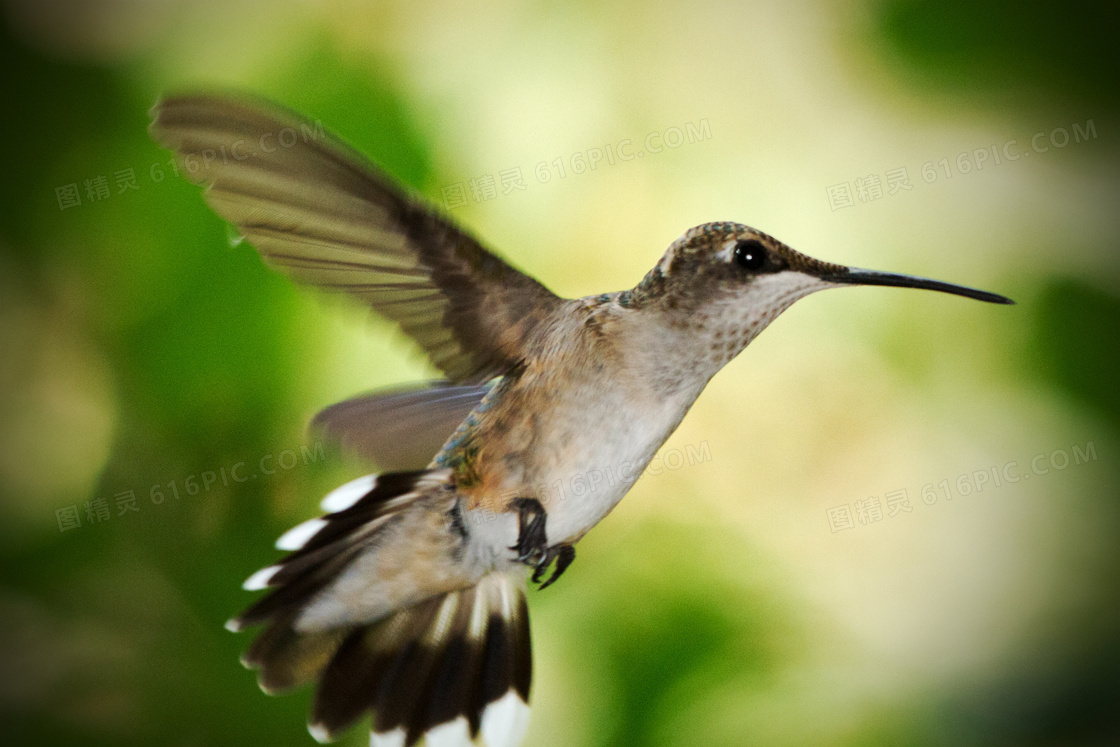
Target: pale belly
575 435
600 452
577 498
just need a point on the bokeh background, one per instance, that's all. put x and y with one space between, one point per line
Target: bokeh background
767 584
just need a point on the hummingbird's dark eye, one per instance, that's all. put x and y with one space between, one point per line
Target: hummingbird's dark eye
750 254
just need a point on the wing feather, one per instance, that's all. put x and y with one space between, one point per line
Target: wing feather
321 213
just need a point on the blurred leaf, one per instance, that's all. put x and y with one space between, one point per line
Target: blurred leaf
1008 49
1075 345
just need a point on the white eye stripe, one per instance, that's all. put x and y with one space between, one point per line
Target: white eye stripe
728 250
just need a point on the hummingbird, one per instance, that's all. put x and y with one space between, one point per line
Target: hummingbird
406 600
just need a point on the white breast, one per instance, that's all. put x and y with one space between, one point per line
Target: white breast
611 437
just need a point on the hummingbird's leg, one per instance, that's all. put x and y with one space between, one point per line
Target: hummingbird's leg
532 543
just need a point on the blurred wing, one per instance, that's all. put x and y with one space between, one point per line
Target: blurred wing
403 429
321 213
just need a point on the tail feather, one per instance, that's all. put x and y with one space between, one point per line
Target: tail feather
386 492
298 588
287 659
348 686
450 669
323 547
476 645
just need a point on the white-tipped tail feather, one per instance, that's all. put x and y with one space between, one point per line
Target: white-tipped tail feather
455 733
505 721
319 734
260 579
430 672
296 537
345 496
394 738
453 669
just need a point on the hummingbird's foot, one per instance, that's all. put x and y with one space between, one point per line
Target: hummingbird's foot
564 555
532 543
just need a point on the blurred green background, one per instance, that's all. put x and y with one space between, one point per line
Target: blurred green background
751 595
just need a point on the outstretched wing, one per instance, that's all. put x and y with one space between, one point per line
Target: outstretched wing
323 214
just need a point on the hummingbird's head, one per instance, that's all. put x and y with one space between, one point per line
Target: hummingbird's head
731 281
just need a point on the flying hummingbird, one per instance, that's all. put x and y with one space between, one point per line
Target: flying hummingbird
406 599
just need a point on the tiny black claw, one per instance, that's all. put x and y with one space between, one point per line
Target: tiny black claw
565 554
538 572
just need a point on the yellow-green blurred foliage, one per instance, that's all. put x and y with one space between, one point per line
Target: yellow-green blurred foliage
143 351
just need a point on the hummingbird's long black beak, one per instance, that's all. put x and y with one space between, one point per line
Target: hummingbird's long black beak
855 276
